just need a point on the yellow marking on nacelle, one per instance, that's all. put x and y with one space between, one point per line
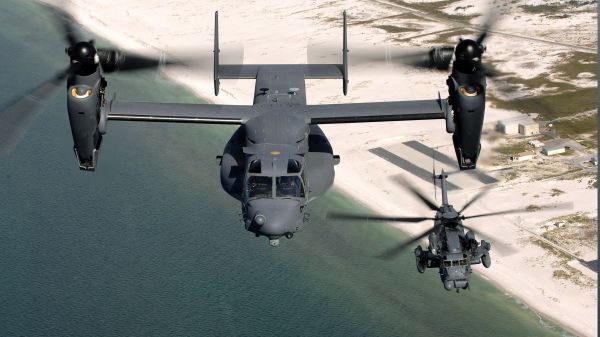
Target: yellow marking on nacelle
466 92
86 94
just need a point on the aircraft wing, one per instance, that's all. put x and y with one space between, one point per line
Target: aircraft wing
376 111
179 113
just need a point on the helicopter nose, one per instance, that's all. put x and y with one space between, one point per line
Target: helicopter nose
273 217
458 284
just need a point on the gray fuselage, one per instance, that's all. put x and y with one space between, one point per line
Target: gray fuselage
277 162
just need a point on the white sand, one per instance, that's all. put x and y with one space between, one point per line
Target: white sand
278 32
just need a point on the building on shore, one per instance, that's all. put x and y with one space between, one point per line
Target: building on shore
529 128
518 125
508 126
551 150
535 143
523 156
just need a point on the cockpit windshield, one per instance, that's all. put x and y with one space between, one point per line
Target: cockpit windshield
260 187
454 263
289 187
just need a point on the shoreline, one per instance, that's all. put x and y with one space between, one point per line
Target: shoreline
508 292
369 194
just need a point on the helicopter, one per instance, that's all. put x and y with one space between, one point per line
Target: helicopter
279 159
451 250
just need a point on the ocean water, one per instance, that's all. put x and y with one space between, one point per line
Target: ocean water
149 244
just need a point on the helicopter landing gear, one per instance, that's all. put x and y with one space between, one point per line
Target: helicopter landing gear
486 260
421 262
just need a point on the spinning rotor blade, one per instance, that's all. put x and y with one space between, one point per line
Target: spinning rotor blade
394 251
115 60
559 206
475 198
491 19
432 206
357 217
433 58
17 117
65 22
110 59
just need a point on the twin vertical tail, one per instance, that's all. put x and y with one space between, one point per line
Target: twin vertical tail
311 71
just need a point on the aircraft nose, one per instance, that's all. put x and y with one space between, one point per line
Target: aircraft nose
273 217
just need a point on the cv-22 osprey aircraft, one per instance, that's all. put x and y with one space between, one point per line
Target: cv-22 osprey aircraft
279 159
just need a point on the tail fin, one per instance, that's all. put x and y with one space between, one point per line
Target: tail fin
216 55
345 57
311 71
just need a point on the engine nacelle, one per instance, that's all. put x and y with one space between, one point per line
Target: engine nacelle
85 101
467 98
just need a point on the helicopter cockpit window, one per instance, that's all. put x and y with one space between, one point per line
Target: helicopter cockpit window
255 166
293 166
454 263
260 187
289 187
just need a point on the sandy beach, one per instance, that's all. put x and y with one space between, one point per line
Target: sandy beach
278 32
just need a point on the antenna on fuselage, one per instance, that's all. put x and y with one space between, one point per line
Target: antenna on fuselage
345 57
433 174
216 52
443 177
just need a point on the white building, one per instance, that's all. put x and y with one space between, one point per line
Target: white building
513 126
523 156
535 143
552 150
508 127
529 128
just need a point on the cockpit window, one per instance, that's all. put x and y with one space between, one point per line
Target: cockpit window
260 187
293 166
451 263
255 166
289 187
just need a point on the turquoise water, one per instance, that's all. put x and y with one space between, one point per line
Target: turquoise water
149 244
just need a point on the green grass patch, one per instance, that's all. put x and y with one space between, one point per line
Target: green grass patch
548 247
435 8
578 62
550 107
397 17
512 175
573 275
546 9
579 230
512 148
591 142
573 127
396 29
533 208
538 82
